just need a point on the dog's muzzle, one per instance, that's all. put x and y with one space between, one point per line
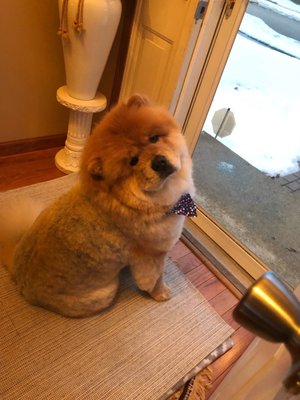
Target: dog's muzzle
162 166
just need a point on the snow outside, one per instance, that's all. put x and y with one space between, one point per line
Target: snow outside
261 86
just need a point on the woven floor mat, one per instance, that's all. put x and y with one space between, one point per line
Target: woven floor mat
137 349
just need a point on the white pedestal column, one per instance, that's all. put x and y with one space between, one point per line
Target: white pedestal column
79 128
88 28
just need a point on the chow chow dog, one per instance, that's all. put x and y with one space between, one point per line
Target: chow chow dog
123 212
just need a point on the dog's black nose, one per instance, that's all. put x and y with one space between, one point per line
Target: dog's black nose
162 166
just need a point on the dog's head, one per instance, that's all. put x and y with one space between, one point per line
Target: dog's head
137 148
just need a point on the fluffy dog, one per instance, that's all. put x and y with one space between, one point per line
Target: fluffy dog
134 169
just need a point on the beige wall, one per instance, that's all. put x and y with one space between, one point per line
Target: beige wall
32 69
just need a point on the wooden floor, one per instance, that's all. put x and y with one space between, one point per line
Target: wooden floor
28 168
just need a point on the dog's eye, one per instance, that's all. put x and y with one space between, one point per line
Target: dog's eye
134 160
154 138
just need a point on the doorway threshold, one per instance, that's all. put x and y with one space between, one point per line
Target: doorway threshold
255 209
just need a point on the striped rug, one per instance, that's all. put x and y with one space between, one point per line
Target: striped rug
137 349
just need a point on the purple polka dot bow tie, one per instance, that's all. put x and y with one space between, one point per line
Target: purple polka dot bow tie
185 206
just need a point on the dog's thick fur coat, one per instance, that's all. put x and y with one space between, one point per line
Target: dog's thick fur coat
134 169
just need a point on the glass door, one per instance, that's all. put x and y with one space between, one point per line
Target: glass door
243 130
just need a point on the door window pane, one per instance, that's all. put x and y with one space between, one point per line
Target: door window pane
247 161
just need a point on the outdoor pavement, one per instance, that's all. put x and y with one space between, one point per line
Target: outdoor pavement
291 183
253 207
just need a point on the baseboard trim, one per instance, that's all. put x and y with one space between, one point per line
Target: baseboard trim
31 144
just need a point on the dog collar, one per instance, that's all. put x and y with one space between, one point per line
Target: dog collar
185 206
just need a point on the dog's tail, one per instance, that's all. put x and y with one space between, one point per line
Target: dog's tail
15 219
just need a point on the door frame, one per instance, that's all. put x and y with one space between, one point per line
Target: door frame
232 259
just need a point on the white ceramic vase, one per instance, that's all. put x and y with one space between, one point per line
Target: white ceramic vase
86 52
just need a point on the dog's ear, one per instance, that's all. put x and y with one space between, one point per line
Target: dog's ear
95 169
138 100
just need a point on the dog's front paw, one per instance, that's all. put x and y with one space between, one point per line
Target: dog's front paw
162 293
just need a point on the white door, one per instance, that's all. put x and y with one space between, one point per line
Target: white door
180 66
160 35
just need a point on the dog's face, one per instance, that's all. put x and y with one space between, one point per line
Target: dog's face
136 146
